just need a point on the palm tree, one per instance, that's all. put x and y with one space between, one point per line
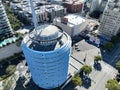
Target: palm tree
118 66
76 79
112 84
97 58
86 69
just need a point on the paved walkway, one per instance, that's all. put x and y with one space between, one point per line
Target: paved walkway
98 77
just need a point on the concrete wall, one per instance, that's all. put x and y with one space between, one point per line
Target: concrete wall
72 31
9 50
64 27
78 28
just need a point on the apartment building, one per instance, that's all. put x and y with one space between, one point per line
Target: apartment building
110 23
5 28
43 10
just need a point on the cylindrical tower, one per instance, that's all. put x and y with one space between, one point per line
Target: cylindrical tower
47 53
4 22
95 5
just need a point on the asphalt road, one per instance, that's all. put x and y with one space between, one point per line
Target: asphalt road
113 56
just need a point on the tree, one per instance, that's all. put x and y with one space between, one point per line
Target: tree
95 14
115 39
18 43
15 23
86 69
112 84
76 79
97 58
118 66
108 46
10 69
20 36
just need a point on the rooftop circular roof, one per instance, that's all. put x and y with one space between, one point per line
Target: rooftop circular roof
47 33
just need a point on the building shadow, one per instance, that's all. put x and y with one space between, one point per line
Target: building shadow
97 66
20 85
70 86
4 65
86 82
76 39
28 86
110 56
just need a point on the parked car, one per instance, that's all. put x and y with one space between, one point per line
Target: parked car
77 47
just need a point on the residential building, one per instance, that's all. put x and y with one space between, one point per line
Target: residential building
73 6
5 28
95 5
44 11
110 23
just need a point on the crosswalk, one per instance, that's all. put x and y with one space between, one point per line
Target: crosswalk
107 68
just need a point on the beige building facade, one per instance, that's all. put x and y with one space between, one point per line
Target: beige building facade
110 23
73 24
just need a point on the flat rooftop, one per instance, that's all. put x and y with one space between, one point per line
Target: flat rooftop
73 20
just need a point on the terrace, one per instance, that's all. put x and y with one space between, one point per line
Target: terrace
8 41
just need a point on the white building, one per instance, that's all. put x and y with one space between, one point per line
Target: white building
72 24
110 23
5 27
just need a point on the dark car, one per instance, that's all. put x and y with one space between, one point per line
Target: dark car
118 77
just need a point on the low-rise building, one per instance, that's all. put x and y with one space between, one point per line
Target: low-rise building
72 24
73 6
44 11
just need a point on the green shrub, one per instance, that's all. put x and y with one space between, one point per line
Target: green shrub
77 80
10 69
108 46
86 69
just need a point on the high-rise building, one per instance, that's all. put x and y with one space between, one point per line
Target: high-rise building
47 53
95 5
110 23
5 27
103 5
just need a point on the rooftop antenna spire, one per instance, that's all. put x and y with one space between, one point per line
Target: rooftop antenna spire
34 15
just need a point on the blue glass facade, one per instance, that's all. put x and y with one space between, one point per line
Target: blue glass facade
49 69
